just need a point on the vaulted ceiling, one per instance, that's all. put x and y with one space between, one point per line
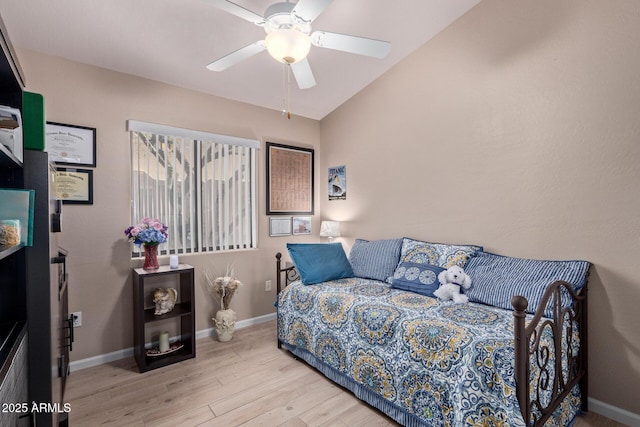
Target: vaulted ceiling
172 41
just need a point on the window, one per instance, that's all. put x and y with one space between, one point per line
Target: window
201 185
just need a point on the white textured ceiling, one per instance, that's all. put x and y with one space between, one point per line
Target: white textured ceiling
172 41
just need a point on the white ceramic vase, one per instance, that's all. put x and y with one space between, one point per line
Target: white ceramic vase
225 323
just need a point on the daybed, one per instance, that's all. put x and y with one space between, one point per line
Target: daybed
515 355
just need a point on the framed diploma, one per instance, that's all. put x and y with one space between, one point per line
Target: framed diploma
74 186
70 144
289 180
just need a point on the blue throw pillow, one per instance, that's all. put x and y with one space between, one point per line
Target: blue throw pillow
417 277
375 259
319 262
497 278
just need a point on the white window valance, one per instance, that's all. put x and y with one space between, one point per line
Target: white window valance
138 126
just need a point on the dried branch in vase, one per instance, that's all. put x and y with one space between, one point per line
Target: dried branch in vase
222 288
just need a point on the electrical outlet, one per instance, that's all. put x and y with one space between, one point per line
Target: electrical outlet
77 319
267 286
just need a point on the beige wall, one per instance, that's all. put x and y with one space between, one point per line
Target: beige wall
99 255
517 128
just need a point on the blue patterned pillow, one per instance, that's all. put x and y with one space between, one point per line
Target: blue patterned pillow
319 262
440 254
375 259
416 277
497 278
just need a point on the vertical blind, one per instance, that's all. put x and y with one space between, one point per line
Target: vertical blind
201 185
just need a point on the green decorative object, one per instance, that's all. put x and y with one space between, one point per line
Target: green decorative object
33 122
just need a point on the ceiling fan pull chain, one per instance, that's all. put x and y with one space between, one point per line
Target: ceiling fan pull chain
288 91
284 89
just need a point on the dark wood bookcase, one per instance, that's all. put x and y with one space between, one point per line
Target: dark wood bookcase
28 296
181 318
13 284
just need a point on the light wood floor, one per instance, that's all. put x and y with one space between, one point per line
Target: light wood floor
246 381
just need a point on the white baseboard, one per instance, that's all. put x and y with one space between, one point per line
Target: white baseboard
617 414
128 352
239 325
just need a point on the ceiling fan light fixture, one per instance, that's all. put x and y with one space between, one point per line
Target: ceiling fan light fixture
288 45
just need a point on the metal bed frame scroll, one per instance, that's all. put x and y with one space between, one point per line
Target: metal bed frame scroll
290 275
529 345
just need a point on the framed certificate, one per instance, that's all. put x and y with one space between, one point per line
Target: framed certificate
70 144
74 186
280 226
289 180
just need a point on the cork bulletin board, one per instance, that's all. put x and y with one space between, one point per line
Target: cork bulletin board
289 180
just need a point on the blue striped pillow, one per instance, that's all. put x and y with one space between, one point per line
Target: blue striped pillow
496 279
375 259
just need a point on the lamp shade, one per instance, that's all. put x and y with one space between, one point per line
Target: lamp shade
288 45
330 229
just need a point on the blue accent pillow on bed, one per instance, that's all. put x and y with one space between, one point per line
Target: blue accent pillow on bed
496 279
417 277
375 259
319 262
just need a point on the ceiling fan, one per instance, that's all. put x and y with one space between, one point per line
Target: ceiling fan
289 37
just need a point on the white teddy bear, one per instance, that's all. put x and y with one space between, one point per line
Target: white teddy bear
450 282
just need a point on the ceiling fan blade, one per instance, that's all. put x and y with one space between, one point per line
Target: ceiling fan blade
237 56
303 74
351 44
238 10
306 11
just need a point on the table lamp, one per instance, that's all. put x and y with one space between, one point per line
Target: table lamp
330 229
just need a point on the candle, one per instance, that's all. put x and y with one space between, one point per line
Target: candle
164 342
173 261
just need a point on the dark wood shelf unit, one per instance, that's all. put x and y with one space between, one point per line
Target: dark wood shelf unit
185 353
9 251
28 295
12 260
144 283
7 158
13 292
180 309
14 338
12 333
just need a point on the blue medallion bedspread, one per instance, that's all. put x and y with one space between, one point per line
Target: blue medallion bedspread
421 361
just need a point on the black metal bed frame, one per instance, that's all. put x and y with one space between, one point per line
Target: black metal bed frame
529 344
290 275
